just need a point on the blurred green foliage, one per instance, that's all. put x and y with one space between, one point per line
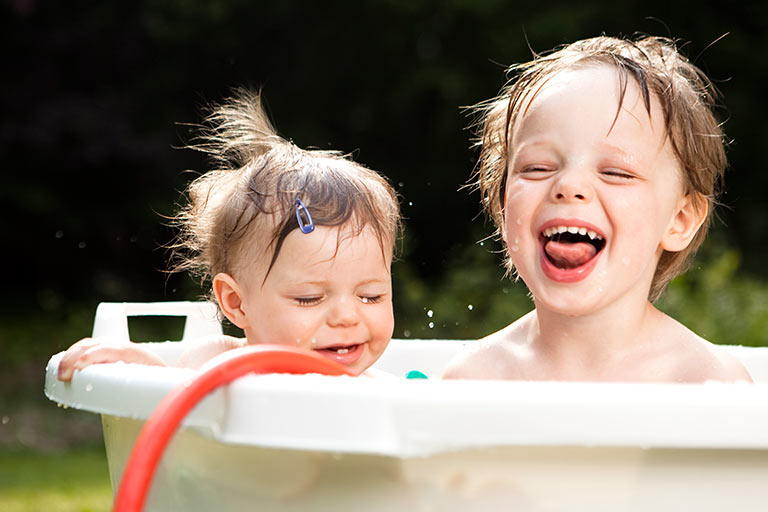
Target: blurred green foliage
719 302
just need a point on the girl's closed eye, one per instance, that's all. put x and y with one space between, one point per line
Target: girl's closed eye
308 301
371 299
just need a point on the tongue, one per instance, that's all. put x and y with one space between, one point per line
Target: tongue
567 255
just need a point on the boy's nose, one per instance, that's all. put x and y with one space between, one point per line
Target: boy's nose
343 313
571 185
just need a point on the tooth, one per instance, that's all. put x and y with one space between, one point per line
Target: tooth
591 234
582 231
562 229
548 232
342 351
573 230
598 237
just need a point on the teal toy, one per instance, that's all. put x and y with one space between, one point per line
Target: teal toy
415 374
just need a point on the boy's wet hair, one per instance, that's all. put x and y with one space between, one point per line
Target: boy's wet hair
242 210
687 99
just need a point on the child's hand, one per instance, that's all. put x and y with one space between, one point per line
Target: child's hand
90 351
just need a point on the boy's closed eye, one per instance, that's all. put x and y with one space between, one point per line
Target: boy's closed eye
536 171
617 175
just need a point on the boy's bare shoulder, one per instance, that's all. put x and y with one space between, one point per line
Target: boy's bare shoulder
497 356
701 361
716 364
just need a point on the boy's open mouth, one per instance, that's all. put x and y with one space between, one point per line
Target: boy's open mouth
569 247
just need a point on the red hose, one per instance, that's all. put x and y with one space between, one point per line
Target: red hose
169 414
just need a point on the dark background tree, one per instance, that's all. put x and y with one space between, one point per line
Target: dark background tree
93 93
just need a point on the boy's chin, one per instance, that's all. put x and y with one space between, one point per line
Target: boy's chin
572 302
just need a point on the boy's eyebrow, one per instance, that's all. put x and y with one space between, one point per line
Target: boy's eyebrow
624 155
534 143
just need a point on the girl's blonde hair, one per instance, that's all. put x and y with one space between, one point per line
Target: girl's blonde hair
246 206
687 99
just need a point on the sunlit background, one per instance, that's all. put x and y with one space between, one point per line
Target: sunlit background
93 105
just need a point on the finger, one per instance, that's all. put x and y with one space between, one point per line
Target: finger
72 354
68 362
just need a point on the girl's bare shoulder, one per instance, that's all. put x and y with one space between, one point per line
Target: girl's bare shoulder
201 351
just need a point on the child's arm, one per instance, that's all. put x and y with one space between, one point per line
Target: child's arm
90 351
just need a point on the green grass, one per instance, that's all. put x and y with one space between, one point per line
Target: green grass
73 481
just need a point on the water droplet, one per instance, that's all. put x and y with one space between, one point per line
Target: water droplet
431 325
59 234
518 222
6 419
515 248
89 387
406 333
400 184
430 313
625 260
81 245
482 243
410 203
517 241
470 307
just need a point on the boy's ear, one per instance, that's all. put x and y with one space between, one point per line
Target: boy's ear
229 295
690 213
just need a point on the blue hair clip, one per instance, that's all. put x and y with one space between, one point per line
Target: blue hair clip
304 218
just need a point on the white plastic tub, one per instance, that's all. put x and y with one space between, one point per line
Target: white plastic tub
316 443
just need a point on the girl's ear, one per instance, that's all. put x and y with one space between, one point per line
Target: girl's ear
690 213
229 295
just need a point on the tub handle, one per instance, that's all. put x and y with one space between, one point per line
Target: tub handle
112 317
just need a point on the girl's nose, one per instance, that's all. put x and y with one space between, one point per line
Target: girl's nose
572 184
343 313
